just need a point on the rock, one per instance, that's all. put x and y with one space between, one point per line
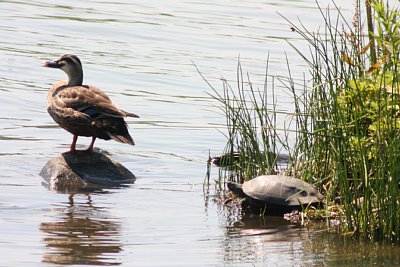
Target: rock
85 172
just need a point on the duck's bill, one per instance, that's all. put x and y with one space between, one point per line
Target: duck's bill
51 64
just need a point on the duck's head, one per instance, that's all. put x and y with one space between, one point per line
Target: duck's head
71 65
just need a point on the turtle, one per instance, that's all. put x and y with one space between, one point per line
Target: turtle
276 194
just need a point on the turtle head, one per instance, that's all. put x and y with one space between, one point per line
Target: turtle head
236 189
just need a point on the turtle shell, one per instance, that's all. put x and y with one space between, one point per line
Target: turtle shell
281 190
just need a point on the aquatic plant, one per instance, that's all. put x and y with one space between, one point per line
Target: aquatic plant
350 142
347 120
253 142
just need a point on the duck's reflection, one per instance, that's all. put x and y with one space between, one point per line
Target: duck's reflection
81 233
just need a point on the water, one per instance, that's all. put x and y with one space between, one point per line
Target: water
143 54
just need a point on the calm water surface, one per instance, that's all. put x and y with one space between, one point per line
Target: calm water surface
141 53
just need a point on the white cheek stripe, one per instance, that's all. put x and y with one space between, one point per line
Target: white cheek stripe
76 62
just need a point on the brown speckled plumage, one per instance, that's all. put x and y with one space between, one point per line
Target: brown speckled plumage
84 110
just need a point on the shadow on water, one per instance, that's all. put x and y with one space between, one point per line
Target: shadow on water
82 234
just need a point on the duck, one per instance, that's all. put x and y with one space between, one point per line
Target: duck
84 110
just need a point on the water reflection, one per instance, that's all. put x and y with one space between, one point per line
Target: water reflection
252 238
274 241
82 233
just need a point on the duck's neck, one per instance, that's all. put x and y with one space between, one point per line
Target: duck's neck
75 77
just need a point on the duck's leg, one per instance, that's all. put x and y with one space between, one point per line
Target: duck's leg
90 148
72 150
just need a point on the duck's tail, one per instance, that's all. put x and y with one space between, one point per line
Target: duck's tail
126 138
128 114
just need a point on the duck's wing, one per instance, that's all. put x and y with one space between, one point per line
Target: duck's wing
98 92
103 95
89 101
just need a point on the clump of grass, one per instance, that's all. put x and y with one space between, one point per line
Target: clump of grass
350 142
347 121
254 145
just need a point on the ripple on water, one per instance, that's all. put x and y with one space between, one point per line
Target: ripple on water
142 53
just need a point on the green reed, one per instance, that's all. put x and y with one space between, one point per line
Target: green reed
347 120
351 143
254 142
